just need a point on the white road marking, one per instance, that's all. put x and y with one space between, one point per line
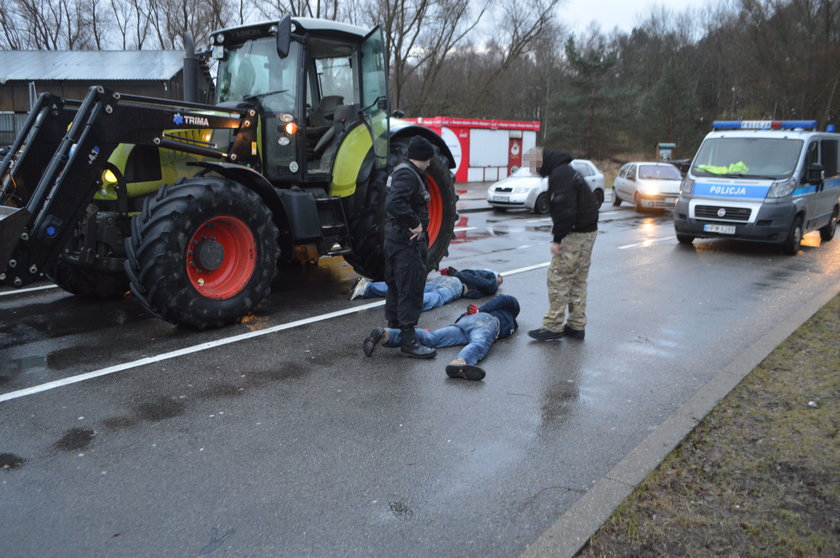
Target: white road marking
546 220
459 229
209 345
29 290
646 242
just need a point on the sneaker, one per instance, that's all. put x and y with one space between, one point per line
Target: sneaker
574 333
543 334
377 337
460 369
358 288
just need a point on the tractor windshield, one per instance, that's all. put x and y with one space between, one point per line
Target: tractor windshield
253 69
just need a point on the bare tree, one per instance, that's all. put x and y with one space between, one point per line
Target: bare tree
521 25
325 9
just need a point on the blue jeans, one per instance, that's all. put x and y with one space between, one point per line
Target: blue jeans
436 293
476 332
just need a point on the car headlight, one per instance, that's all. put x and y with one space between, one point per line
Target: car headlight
782 188
521 190
687 185
648 188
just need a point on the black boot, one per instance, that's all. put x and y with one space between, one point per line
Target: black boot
412 348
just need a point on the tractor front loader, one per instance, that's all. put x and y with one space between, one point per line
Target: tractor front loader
193 207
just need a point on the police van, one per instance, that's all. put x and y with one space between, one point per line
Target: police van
761 181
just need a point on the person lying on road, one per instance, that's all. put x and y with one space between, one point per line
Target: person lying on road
451 285
476 329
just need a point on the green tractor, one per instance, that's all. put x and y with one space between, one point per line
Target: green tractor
194 207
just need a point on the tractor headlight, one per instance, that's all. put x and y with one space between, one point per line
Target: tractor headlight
108 177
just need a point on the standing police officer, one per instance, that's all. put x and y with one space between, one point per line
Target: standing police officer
407 218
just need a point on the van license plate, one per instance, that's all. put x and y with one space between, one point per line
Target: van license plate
501 198
720 229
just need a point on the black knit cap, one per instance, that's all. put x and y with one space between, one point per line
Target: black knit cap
420 149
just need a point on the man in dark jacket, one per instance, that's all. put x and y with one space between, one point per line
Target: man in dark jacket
574 215
405 246
476 329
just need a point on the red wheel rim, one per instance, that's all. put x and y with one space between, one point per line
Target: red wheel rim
232 259
435 209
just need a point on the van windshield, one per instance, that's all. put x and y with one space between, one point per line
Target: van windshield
747 157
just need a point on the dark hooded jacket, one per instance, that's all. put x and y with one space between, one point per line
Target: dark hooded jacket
573 205
504 308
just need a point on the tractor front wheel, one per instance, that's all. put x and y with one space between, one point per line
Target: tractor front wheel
203 252
88 282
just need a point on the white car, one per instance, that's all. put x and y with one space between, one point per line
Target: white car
647 185
525 190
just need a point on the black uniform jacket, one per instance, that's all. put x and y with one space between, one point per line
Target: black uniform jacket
406 204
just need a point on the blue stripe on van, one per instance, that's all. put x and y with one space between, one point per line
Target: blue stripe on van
730 190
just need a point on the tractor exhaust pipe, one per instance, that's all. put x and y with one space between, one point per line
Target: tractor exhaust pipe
190 75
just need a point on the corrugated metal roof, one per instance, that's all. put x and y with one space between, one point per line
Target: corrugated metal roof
89 65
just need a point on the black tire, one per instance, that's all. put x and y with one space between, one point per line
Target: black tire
827 232
637 201
794 238
442 212
368 258
599 197
205 227
89 283
543 204
616 200
685 238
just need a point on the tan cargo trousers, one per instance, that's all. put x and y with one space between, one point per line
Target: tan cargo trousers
567 275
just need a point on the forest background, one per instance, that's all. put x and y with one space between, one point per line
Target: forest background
598 93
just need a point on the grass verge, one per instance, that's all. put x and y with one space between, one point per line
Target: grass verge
759 476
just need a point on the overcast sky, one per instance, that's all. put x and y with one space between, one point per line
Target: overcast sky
624 14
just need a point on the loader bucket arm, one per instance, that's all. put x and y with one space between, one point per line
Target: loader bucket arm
55 165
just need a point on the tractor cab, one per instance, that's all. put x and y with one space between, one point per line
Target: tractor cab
321 90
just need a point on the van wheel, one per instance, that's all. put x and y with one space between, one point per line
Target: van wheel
791 244
685 238
542 205
827 232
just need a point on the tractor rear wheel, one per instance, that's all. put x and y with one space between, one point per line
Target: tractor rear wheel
203 252
442 213
368 258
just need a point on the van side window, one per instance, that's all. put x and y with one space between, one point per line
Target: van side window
828 157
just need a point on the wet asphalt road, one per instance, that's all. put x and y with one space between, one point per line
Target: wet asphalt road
292 443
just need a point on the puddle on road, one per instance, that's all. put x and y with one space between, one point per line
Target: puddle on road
75 439
161 409
14 366
9 461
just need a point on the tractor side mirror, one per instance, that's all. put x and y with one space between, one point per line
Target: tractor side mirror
814 174
284 36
